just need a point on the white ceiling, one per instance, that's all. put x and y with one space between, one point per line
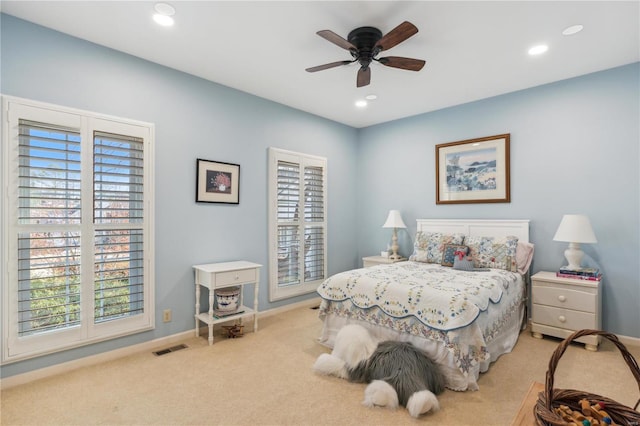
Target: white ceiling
473 49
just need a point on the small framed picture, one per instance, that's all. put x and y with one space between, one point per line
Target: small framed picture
217 182
473 171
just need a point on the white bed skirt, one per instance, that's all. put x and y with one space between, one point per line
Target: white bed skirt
455 379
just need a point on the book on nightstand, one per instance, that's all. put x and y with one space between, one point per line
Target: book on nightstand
591 274
580 277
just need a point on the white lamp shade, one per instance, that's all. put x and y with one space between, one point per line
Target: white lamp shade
575 228
394 220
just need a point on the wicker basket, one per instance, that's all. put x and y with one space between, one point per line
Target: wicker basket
543 411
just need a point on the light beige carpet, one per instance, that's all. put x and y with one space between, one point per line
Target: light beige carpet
265 378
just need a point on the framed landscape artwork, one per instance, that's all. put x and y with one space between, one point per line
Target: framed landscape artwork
217 182
473 171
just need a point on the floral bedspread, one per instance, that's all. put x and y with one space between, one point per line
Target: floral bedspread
441 298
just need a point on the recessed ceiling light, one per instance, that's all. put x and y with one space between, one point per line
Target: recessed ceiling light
164 20
164 13
371 97
361 103
539 49
572 30
165 9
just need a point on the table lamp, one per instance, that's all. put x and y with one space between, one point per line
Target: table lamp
575 229
394 220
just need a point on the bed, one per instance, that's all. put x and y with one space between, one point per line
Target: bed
464 320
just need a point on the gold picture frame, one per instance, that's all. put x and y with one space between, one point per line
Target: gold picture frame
217 182
473 171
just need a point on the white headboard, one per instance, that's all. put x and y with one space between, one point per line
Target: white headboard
477 227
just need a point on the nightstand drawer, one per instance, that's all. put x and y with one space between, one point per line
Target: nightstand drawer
224 279
565 298
563 318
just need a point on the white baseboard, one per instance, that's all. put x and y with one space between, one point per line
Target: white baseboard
304 304
65 367
20 379
625 340
629 341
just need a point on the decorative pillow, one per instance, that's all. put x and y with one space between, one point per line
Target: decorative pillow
524 255
490 252
450 251
429 246
463 264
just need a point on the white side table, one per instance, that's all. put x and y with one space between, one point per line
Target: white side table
378 260
228 274
561 306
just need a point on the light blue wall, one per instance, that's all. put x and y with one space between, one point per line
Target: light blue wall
194 118
574 149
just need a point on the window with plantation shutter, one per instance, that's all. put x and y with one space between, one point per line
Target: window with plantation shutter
314 232
118 178
119 274
297 223
79 235
49 199
118 195
49 173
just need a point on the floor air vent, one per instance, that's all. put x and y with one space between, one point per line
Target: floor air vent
169 350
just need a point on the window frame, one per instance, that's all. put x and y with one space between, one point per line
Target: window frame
15 347
277 292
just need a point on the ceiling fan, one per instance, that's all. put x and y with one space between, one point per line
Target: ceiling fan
365 43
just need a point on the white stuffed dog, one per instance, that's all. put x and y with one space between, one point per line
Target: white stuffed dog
397 372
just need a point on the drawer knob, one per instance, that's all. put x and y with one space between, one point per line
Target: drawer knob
562 298
237 277
562 318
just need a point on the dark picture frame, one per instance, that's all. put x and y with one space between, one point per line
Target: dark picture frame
474 171
217 182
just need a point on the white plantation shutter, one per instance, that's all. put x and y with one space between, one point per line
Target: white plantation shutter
48 281
118 164
288 185
79 235
48 255
297 223
49 174
118 192
119 274
314 211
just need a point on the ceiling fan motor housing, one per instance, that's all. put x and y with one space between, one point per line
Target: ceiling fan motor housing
364 39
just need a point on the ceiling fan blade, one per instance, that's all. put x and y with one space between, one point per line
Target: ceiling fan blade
327 66
336 39
402 63
396 36
364 77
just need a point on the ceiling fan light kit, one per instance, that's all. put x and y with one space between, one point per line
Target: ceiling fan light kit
365 43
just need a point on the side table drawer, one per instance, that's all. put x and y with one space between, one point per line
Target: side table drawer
565 298
563 318
224 279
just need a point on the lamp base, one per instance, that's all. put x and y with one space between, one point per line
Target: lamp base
574 256
394 246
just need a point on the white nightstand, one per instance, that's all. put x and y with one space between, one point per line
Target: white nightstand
378 260
561 306
214 276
